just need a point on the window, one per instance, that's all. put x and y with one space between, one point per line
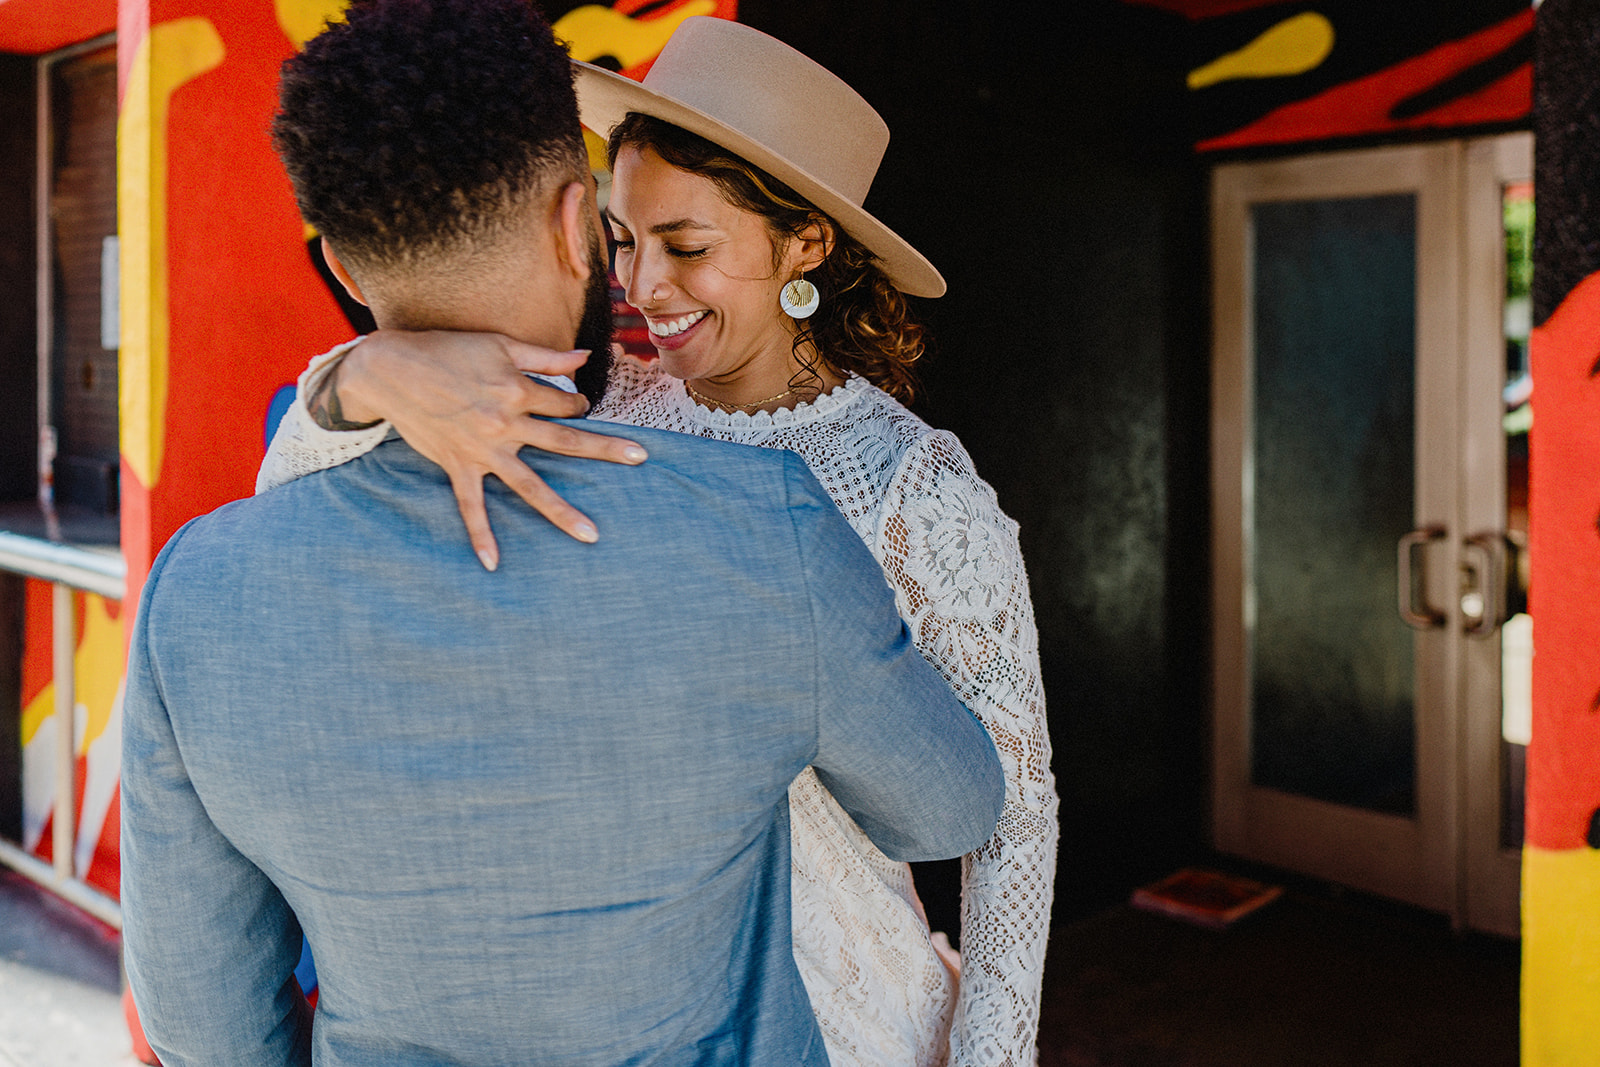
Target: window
59 462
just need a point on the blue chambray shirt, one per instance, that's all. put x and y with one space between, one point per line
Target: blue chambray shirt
537 816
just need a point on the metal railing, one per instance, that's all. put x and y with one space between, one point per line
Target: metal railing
67 568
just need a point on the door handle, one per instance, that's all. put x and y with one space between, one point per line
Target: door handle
1482 585
1414 609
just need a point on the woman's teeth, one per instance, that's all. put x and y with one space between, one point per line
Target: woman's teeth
676 326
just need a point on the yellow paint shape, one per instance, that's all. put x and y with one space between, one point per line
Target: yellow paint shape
170 54
595 145
99 666
97 671
1560 957
1293 46
302 20
38 710
593 31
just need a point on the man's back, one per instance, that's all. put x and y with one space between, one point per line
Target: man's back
533 816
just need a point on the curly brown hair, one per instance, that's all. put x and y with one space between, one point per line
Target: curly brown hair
865 325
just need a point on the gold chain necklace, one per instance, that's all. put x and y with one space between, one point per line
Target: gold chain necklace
730 404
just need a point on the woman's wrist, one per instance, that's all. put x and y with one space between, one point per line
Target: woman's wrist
336 403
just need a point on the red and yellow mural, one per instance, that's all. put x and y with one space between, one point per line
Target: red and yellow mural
1266 72
98 729
1561 857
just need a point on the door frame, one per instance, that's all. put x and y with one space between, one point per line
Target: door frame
1413 859
1491 875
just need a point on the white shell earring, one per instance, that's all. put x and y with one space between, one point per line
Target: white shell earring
799 299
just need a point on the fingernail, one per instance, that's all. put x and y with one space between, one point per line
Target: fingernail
586 532
584 352
635 454
489 560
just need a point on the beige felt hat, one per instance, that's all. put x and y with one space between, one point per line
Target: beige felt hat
771 106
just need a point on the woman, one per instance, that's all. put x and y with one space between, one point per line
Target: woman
776 307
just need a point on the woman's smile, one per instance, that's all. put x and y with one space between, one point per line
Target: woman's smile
705 275
673 332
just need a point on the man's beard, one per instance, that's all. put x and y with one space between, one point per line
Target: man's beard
596 328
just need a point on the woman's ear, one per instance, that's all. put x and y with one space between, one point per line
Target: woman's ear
812 244
339 272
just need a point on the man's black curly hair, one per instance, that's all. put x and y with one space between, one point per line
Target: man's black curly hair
414 125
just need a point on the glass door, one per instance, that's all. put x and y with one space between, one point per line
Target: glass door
1346 568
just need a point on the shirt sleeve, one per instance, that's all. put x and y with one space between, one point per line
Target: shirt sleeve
895 747
954 560
301 447
210 944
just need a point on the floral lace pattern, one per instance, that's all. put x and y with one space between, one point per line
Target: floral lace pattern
882 993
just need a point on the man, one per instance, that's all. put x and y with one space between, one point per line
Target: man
530 816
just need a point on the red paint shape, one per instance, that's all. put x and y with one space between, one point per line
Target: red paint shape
134 501
46 848
141 1046
1362 106
38 641
33 27
37 650
724 9
105 866
1564 549
133 23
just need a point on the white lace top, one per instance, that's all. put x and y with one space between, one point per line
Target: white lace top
880 988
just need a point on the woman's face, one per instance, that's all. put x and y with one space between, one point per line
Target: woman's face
700 271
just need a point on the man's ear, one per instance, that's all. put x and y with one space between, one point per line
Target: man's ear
339 272
573 228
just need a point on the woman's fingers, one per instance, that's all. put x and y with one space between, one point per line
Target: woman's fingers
570 441
531 359
469 501
464 401
538 398
541 498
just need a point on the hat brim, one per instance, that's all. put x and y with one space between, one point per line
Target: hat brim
604 99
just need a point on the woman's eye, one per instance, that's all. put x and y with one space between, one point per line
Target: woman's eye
622 245
687 253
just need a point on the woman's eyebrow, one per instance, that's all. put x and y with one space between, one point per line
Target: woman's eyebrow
661 229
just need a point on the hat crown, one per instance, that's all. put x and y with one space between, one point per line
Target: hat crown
777 97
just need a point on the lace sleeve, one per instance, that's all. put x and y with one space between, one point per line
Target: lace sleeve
301 447
955 563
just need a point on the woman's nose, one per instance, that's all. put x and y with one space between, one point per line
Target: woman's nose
646 284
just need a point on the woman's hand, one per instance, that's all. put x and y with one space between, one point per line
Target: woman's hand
463 401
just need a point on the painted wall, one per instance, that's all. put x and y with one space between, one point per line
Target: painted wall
221 306
1271 72
1561 862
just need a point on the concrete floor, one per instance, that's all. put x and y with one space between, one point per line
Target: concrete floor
59 983
1317 979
